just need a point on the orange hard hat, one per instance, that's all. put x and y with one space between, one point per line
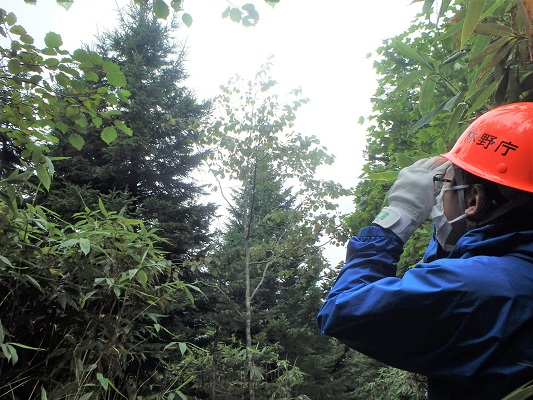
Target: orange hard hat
498 146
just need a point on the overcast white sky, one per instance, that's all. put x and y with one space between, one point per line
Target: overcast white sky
319 46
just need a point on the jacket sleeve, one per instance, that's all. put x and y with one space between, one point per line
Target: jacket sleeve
427 322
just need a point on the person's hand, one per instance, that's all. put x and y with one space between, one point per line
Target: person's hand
412 197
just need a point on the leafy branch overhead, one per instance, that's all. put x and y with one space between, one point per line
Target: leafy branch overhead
49 92
247 15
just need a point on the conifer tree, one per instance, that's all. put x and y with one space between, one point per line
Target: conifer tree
152 171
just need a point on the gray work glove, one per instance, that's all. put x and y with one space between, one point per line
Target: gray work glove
412 197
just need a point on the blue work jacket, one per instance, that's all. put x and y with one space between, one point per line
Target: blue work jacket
465 320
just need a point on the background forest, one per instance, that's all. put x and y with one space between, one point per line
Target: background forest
114 283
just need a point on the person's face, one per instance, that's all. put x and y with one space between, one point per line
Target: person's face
450 198
452 207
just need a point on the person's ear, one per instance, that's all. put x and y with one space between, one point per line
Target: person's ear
475 201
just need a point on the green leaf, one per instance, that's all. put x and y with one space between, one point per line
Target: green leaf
387 176
161 9
7 262
426 118
183 347
426 95
474 9
91 76
482 98
186 19
81 55
43 175
123 127
85 245
176 5
141 276
13 66
76 141
97 121
412 54
103 381
66 4
69 243
17 30
124 95
116 78
457 115
102 207
53 40
10 19
109 134
235 14
494 30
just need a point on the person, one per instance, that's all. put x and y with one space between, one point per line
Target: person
463 316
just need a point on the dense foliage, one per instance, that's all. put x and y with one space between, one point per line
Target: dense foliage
92 302
150 172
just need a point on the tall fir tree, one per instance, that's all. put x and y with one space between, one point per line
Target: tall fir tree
151 171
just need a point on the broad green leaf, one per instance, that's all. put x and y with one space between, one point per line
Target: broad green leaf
103 381
123 127
235 14
10 19
13 66
69 243
97 121
85 245
186 19
7 262
110 66
142 278
76 141
26 39
474 9
91 76
116 78
109 134
176 5
183 347
53 40
161 9
43 175
124 95
17 30
81 55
